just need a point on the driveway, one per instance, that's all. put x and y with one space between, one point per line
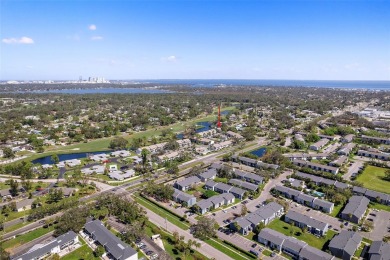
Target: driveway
354 168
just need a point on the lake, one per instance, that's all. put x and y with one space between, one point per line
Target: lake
64 157
204 126
259 152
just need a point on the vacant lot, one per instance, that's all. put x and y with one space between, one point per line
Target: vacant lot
372 178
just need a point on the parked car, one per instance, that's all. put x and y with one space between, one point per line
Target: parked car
254 252
273 254
308 209
254 245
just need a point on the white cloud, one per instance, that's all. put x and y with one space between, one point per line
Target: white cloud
96 38
171 58
92 27
23 40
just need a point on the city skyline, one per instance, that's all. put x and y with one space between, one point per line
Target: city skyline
298 40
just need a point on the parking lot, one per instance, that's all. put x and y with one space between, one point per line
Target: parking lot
381 220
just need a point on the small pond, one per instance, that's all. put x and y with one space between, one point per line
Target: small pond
259 152
64 157
202 126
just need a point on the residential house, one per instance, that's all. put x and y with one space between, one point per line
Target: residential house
243 184
120 176
318 145
99 157
310 253
300 220
73 162
115 248
264 214
249 177
224 188
232 134
121 153
339 161
24 205
98 169
221 145
372 195
5 194
305 199
183 198
215 202
56 246
210 174
355 209
168 157
348 138
379 140
346 149
322 181
184 143
290 245
306 156
152 149
379 250
375 155
329 137
345 244
316 166
185 184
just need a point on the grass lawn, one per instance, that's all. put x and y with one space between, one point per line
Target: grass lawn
378 206
162 212
372 178
336 210
22 239
224 180
84 252
226 249
284 228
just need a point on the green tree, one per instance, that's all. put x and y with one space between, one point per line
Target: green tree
99 251
118 143
8 153
55 159
244 210
14 185
205 228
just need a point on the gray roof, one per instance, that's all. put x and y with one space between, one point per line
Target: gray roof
243 222
308 221
347 241
248 175
309 252
209 173
305 197
323 203
272 236
237 191
244 184
24 203
376 194
358 189
341 185
265 212
317 165
118 249
216 165
223 186
182 195
204 204
39 252
248 160
210 183
294 244
217 199
379 250
357 206
188 181
5 192
287 190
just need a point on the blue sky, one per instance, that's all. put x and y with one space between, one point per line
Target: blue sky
323 40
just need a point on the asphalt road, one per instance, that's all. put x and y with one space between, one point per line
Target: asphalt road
354 168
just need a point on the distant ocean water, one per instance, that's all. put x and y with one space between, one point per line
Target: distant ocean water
345 84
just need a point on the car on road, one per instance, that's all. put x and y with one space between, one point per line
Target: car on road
213 214
308 209
346 223
254 245
140 244
273 254
143 247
